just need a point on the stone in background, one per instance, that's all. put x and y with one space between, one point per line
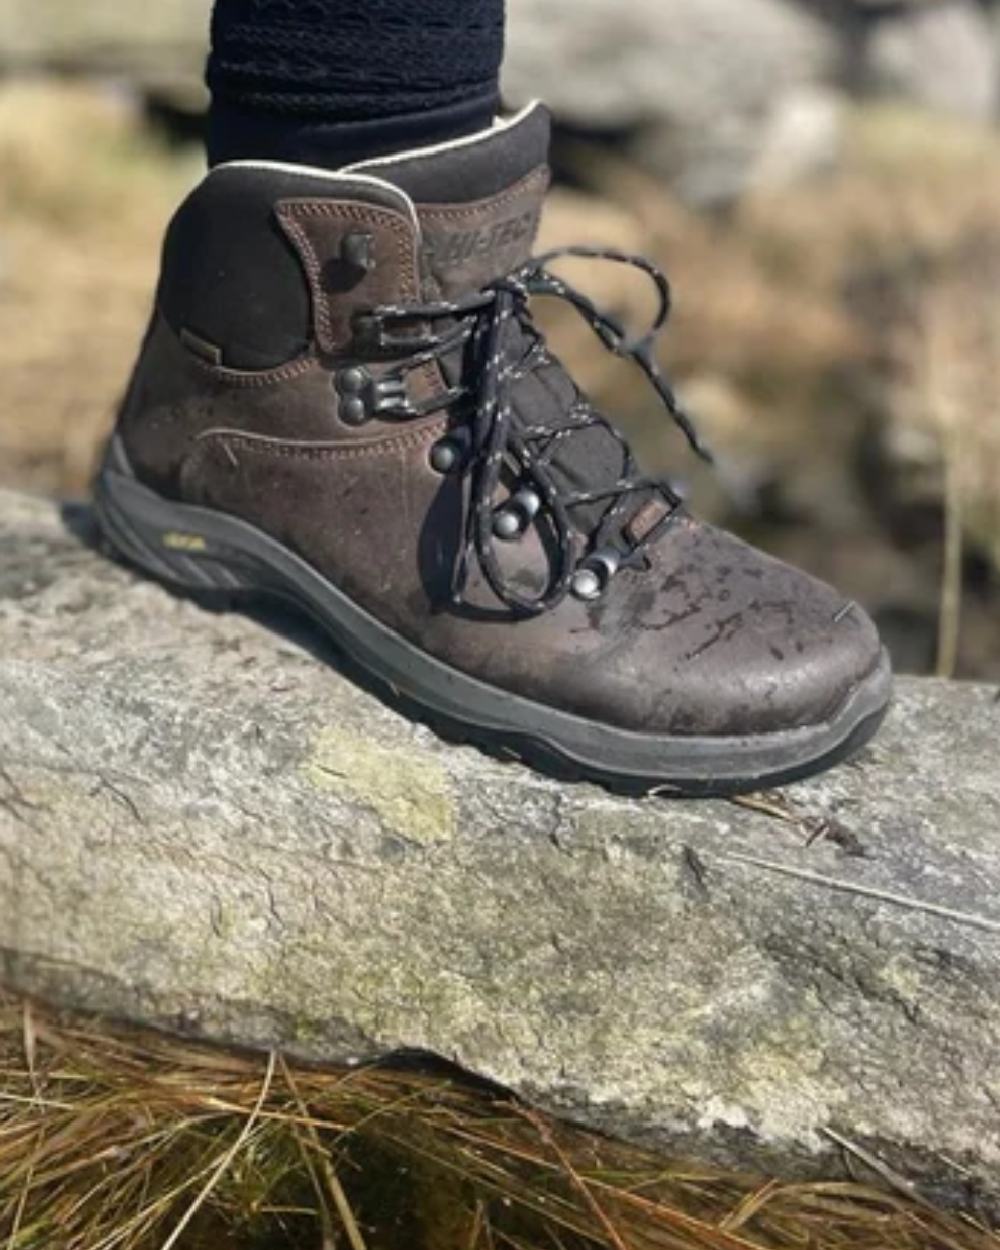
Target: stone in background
159 46
943 56
716 96
704 87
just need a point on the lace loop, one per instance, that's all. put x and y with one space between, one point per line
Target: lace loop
499 438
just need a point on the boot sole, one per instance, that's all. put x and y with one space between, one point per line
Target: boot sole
199 551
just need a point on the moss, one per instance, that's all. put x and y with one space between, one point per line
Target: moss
411 795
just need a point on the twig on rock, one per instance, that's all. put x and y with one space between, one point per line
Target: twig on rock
883 896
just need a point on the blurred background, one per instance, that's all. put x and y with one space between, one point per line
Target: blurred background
820 178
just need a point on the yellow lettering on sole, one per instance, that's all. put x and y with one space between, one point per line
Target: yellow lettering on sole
185 542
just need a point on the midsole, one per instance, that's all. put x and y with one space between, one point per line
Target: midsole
177 541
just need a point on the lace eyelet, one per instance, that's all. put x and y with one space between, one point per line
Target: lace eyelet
353 385
353 381
507 525
445 456
516 515
354 411
363 397
592 579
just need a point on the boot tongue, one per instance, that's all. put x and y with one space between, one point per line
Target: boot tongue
479 200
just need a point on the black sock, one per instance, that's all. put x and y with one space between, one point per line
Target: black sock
331 82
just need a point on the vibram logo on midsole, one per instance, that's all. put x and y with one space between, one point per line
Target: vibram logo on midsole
185 542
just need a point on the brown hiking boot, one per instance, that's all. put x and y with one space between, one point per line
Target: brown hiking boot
343 400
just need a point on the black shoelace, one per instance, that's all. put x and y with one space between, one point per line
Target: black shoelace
498 437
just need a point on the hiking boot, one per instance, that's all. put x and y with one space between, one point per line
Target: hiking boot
343 400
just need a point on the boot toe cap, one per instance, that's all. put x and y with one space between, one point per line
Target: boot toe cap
764 684
730 642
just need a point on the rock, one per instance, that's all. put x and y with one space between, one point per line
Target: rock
943 56
804 132
205 828
704 83
611 66
707 164
158 46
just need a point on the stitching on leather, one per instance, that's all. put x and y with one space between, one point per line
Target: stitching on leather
314 273
238 378
268 377
291 451
291 211
539 176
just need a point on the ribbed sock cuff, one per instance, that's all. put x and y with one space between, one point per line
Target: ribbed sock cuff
333 81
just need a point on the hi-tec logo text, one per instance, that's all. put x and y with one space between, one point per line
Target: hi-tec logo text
463 246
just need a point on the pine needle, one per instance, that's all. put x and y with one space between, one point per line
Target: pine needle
985 923
128 1125
227 1159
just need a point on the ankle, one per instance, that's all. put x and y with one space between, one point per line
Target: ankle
237 132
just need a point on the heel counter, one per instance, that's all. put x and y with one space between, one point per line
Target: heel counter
159 416
229 278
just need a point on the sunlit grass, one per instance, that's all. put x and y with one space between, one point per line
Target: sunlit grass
112 1139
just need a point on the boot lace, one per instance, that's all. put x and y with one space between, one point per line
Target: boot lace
496 437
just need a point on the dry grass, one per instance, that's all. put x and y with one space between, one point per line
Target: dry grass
83 203
909 239
111 1139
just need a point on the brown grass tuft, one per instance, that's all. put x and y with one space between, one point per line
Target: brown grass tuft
83 202
115 1139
